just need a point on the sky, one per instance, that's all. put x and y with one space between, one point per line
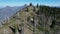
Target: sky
22 2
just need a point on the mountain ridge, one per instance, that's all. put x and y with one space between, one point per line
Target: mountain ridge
8 11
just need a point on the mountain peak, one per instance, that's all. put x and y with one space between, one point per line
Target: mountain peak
7 7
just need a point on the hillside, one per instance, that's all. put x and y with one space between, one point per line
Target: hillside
33 20
7 12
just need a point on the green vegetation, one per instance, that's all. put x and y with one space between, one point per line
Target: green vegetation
32 11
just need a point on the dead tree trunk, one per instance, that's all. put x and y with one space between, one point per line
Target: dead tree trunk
34 25
22 28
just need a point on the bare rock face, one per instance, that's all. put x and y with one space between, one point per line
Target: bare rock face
6 31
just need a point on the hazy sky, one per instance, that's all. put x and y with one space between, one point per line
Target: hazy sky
22 2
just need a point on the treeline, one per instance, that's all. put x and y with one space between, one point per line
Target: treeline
49 11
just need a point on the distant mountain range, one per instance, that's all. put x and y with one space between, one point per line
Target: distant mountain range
56 6
9 11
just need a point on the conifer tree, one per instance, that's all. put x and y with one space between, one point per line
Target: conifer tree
30 4
37 6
